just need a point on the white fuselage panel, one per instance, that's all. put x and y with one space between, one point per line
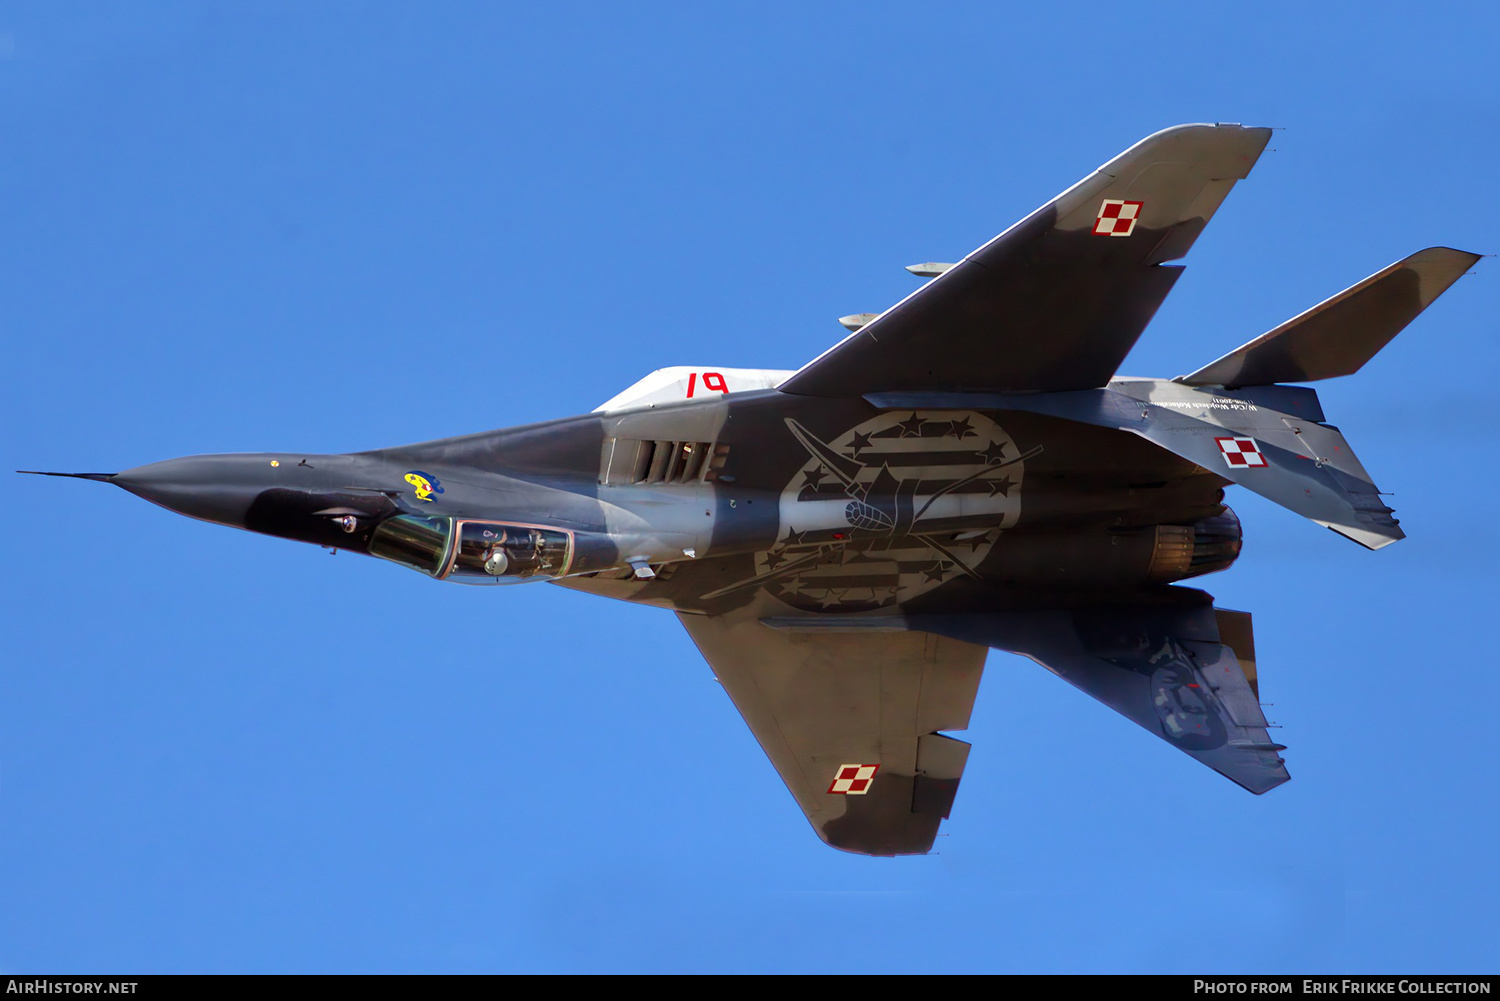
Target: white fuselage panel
679 383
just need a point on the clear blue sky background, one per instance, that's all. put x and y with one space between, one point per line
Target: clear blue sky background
237 227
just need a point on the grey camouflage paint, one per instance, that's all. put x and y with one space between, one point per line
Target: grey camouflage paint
962 473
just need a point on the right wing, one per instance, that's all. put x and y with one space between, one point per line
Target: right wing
1056 301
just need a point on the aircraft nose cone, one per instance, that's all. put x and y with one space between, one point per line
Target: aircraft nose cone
217 488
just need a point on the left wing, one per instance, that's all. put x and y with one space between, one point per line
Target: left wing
851 718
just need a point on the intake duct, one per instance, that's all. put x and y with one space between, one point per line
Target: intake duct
1205 546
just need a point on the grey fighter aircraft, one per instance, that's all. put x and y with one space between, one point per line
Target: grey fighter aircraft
965 471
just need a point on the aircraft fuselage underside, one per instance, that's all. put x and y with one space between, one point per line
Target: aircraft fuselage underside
829 505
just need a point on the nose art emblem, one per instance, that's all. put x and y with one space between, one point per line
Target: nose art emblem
425 487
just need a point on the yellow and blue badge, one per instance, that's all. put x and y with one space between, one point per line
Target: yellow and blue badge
425 486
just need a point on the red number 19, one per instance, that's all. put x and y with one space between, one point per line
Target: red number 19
711 380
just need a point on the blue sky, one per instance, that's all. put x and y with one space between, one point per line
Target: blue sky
241 227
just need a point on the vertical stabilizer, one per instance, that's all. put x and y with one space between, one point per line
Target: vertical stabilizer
1337 336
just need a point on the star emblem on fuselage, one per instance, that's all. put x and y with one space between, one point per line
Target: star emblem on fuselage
921 507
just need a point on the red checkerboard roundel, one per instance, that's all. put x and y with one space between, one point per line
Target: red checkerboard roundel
1117 218
1241 453
853 780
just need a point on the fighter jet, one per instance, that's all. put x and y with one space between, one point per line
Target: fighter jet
963 472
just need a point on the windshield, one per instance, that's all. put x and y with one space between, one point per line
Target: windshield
413 541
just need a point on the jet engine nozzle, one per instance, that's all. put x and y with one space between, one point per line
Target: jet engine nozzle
1208 545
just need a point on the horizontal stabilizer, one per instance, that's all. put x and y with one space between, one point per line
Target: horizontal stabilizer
1170 669
1268 439
1337 336
1305 467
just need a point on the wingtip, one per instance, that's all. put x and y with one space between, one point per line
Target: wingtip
1450 253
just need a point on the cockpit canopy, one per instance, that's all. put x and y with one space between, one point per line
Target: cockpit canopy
473 552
